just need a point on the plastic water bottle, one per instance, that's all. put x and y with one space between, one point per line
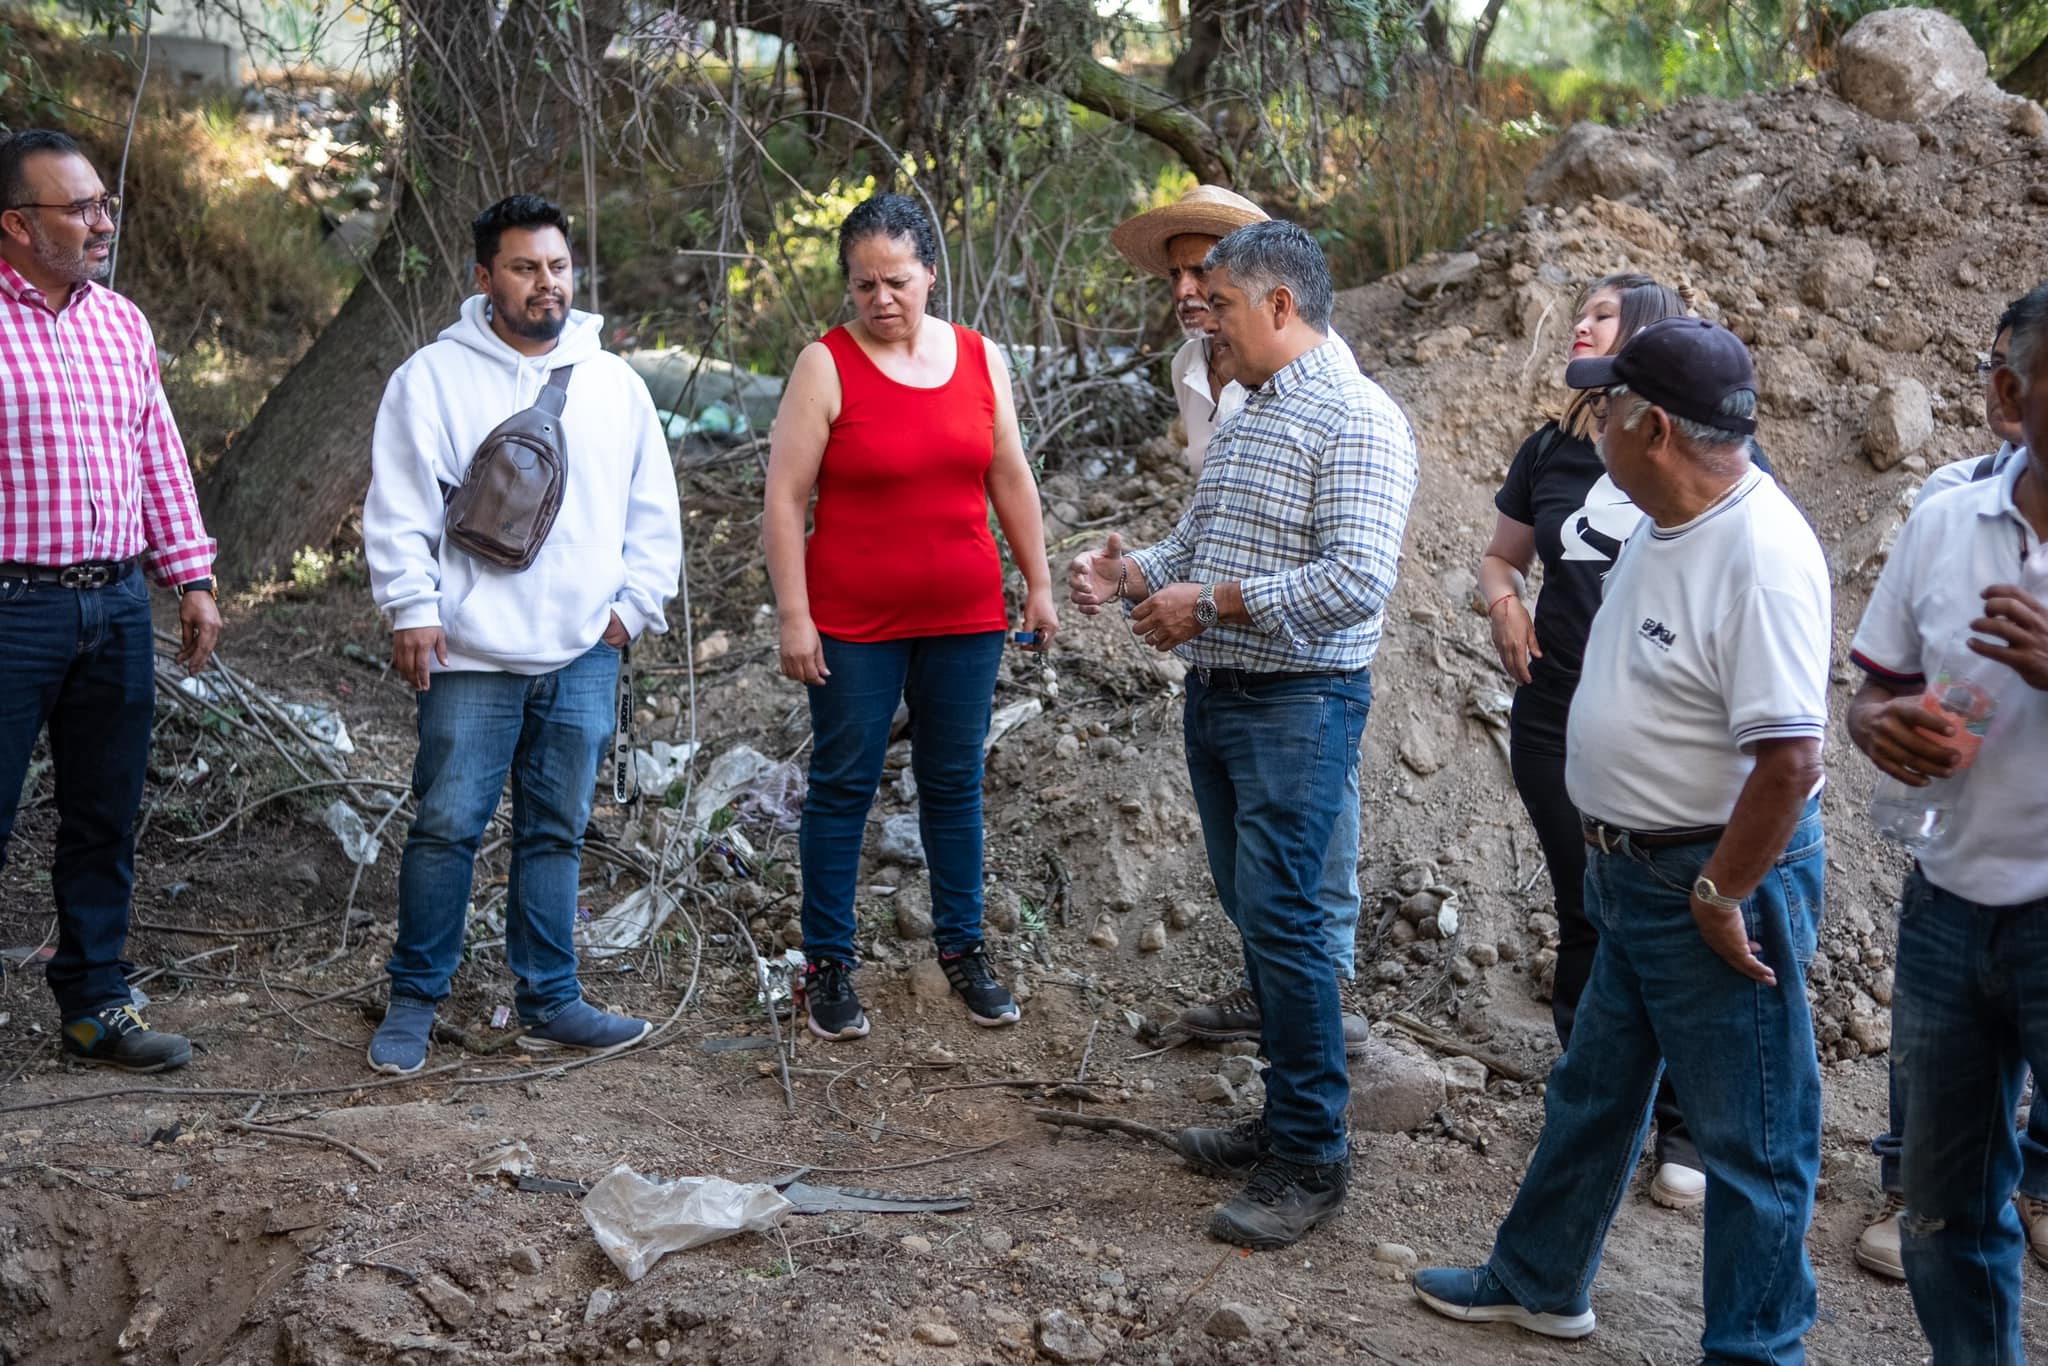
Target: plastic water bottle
1963 690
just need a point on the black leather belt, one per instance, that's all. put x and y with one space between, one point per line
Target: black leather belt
1612 839
1242 678
85 574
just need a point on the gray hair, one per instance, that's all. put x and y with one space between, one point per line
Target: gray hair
1263 256
2028 318
1701 436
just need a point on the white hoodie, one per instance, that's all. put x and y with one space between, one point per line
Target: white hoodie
616 547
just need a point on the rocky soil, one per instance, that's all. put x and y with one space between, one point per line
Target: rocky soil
1864 259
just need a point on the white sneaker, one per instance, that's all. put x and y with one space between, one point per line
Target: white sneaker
2034 1222
1677 1186
1878 1249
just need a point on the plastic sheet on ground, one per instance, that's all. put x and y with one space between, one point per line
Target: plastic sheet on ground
731 774
638 1221
320 724
358 844
625 926
1008 719
661 766
513 1159
902 841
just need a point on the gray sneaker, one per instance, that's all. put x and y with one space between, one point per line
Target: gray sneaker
585 1028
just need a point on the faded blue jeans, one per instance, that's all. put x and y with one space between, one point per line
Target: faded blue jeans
1268 759
2033 1141
1741 1057
547 732
949 683
1337 889
1969 1015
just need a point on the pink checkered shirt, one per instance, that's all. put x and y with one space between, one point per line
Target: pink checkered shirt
91 467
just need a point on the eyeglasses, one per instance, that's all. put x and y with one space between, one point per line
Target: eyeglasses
87 211
1985 367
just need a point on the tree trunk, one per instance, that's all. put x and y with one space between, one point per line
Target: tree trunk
1482 34
2030 77
489 110
1203 31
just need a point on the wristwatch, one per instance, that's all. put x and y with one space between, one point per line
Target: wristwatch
1205 606
1703 889
204 585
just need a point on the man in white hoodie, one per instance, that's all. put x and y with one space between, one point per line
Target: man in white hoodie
517 671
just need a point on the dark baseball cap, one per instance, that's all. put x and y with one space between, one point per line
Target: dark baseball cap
1686 366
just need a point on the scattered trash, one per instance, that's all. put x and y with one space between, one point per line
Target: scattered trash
902 842
808 1199
1009 718
777 797
549 1185
661 766
731 774
193 772
777 978
638 1221
501 1017
1490 706
627 925
322 725
1447 917
513 1159
740 1043
358 845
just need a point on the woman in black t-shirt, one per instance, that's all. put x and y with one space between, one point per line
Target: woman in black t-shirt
1558 505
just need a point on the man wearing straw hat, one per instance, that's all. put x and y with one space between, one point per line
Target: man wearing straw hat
1173 241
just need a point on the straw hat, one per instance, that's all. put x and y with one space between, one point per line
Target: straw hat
1209 210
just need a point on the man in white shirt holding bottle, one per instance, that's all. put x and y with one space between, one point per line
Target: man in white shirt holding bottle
1964 593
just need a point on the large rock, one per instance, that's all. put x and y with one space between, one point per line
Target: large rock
1905 64
1901 422
1392 1092
1838 274
1592 159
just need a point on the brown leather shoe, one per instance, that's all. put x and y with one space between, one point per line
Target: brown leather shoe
1234 1015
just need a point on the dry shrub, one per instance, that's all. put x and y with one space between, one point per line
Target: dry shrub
1444 156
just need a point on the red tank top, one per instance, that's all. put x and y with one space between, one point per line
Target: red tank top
900 544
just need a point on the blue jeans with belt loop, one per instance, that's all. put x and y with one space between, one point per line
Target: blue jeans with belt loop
547 732
1741 1057
83 661
1268 757
1969 1014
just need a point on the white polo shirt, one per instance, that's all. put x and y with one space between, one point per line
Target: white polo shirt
1959 472
1711 637
1993 848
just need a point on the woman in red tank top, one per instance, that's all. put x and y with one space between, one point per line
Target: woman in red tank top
904 427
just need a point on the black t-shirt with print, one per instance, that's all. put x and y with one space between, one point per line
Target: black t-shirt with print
1558 486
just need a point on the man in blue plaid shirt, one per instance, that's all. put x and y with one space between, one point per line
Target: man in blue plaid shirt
1273 589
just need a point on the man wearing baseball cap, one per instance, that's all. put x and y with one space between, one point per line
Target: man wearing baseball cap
1173 242
1693 752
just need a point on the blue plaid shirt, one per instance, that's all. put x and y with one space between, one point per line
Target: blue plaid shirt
1303 500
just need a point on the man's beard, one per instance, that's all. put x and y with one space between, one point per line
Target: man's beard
70 264
514 316
1195 328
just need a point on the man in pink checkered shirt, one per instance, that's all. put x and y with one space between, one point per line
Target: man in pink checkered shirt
95 500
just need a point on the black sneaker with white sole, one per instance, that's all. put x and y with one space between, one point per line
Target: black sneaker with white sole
989 1002
833 1006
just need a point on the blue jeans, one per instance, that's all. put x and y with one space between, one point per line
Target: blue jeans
1969 1015
2033 1141
1741 1057
546 731
1337 891
81 660
1267 760
949 682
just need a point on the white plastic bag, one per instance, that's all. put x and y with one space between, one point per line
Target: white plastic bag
638 1221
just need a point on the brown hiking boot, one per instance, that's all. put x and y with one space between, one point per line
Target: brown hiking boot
1234 1015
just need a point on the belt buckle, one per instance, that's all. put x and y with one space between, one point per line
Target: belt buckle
1601 833
84 576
